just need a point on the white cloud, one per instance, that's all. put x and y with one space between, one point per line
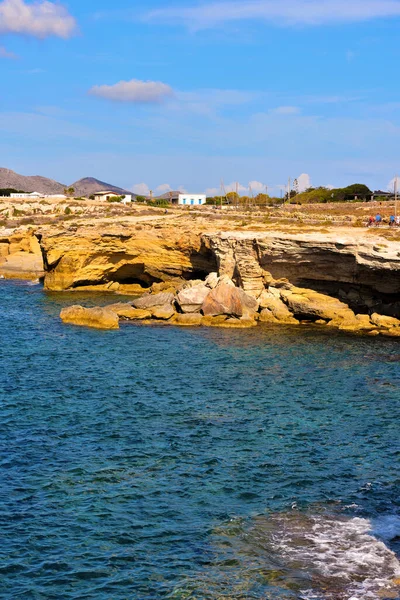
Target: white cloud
163 188
257 187
279 12
286 110
4 53
40 19
136 91
141 189
303 182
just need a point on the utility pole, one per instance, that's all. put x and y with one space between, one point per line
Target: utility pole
237 196
288 193
395 196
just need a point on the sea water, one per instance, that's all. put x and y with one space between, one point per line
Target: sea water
158 462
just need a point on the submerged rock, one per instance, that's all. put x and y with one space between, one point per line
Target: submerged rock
98 318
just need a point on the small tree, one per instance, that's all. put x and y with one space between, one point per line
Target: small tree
70 191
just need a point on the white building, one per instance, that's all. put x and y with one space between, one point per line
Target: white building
192 199
106 195
26 195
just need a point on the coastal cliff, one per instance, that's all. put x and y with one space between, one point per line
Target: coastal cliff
116 256
360 269
20 255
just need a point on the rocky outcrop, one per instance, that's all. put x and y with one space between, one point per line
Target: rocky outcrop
364 271
97 318
154 300
20 255
141 254
229 306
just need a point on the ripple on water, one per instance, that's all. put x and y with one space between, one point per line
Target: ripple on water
133 464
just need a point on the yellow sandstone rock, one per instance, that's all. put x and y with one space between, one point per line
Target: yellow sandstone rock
98 318
126 311
188 320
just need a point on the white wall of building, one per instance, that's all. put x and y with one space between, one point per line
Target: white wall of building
104 196
191 199
25 195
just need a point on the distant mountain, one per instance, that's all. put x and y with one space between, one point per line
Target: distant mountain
169 195
90 185
10 179
36 183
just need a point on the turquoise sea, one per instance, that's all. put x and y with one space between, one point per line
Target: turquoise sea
157 462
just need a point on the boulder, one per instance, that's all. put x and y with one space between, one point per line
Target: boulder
359 323
212 280
163 313
209 321
191 300
249 303
188 320
98 318
242 323
153 300
310 305
226 280
384 322
223 300
266 316
126 311
395 332
276 307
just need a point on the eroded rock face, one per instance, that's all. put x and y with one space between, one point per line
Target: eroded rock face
306 258
97 318
125 255
20 255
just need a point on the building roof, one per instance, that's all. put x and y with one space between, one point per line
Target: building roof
169 196
105 193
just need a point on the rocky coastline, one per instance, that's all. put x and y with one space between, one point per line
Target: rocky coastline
217 302
176 268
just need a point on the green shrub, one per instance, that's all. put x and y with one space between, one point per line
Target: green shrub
113 199
67 210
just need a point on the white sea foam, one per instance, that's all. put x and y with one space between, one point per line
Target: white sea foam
342 557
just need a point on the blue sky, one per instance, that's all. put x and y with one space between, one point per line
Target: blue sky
182 94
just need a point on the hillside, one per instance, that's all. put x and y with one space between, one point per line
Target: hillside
43 185
90 185
36 183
